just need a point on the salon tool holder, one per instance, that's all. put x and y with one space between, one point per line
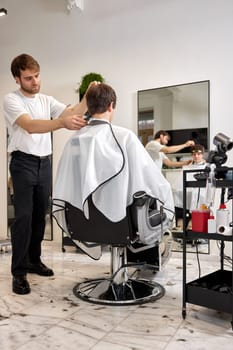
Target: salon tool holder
214 290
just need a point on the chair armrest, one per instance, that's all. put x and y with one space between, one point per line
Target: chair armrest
149 222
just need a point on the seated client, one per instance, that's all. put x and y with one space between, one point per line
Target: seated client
195 196
109 163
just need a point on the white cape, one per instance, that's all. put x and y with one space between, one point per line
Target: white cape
110 163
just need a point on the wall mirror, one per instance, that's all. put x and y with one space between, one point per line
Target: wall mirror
177 108
183 111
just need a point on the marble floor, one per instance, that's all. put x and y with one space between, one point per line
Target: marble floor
51 317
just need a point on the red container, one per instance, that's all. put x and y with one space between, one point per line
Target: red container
200 220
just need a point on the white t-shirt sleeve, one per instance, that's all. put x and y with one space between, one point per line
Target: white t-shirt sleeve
13 107
44 107
154 147
154 150
41 107
56 107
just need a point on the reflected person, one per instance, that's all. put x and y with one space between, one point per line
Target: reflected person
157 149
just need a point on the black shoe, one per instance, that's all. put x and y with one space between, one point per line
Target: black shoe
20 285
40 269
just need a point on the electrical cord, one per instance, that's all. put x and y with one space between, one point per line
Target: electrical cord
198 260
227 259
61 209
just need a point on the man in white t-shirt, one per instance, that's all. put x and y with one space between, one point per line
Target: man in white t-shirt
31 117
158 149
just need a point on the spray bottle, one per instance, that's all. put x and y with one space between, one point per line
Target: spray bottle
223 219
212 223
210 187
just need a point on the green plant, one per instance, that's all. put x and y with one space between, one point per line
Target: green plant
86 80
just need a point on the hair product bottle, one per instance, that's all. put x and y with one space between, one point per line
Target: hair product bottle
223 219
212 224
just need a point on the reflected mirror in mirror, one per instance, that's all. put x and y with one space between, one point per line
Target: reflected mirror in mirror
183 111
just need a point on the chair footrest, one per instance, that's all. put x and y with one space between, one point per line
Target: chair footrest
104 291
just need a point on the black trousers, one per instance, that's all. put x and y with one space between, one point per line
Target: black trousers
31 177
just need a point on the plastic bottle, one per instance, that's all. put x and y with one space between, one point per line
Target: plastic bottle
222 219
211 224
210 187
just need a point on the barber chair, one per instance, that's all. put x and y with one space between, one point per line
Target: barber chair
90 235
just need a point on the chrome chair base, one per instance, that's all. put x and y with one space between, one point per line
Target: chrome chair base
105 291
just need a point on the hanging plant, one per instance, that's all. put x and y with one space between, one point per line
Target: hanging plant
86 80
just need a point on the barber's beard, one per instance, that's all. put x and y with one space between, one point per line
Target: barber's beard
34 90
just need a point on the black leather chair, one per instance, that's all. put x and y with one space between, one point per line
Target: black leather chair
92 234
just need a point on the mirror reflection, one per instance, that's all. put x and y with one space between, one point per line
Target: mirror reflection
183 111
179 107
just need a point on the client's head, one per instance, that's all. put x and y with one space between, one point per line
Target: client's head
100 99
197 152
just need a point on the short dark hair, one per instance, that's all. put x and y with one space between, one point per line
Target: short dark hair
99 97
161 132
23 62
198 149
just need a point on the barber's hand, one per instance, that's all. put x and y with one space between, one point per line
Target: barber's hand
187 162
92 83
189 143
73 122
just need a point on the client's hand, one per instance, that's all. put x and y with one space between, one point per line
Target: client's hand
187 162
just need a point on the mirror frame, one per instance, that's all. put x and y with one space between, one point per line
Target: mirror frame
148 112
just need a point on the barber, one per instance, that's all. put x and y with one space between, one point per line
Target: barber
31 117
158 149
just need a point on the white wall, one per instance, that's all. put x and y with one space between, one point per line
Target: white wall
134 44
